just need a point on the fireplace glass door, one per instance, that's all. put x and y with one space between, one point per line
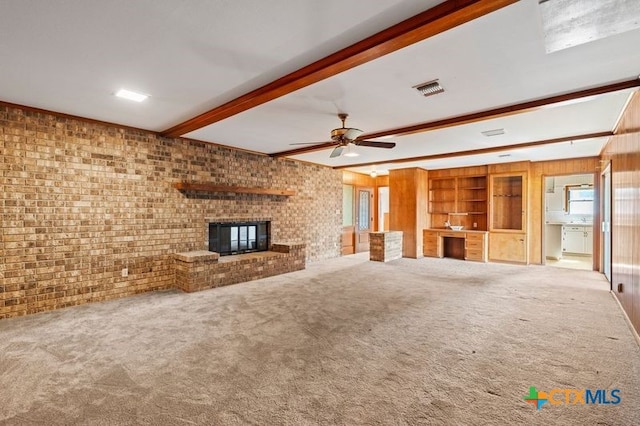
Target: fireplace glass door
236 238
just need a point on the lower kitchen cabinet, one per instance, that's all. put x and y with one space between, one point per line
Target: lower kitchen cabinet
577 239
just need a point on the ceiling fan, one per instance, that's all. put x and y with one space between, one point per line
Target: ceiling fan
343 136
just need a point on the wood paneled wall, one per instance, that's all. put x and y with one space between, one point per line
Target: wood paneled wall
458 171
408 204
623 153
408 196
515 167
357 179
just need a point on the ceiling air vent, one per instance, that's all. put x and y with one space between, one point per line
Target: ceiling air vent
429 88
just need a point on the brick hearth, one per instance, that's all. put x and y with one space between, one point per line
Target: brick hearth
200 270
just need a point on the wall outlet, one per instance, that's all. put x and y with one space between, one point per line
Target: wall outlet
125 272
475 224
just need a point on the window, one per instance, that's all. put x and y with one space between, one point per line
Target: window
347 205
579 199
363 210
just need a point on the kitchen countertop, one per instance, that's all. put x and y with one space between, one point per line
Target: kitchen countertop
570 224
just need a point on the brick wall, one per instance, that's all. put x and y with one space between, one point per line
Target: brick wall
81 201
201 270
385 246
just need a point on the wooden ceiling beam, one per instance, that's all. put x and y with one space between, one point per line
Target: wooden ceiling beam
483 150
506 111
436 20
478 116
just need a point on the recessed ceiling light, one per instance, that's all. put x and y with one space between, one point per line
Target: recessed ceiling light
494 132
132 96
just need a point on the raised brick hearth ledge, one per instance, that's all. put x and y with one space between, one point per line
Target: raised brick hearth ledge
200 270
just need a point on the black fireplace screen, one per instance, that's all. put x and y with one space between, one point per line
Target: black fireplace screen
239 237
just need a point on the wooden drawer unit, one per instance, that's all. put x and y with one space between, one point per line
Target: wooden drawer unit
475 254
475 244
430 244
476 247
472 236
452 234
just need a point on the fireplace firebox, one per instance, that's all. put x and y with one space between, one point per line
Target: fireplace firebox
238 237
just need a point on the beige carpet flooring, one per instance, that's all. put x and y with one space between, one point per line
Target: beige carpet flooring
345 342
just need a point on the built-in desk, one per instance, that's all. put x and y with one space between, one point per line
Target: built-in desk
474 244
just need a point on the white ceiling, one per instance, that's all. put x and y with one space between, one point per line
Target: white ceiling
70 56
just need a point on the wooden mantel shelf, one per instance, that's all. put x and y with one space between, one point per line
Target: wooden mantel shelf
208 187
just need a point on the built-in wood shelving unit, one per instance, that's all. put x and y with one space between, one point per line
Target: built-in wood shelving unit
208 187
462 200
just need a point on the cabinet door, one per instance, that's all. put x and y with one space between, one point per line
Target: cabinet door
508 247
588 241
573 240
554 200
430 242
508 202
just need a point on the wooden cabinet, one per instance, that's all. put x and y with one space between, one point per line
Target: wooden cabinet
460 200
431 244
508 217
508 202
508 247
577 239
554 199
474 246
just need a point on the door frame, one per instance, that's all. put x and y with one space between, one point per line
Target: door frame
606 210
597 214
362 236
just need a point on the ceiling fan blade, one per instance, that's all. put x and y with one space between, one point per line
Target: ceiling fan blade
352 133
336 151
374 144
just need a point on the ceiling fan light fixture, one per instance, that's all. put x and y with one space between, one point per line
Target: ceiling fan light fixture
429 88
349 152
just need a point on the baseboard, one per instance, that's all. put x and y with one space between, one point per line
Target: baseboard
626 317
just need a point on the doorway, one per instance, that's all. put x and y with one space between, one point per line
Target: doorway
383 208
569 209
364 218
